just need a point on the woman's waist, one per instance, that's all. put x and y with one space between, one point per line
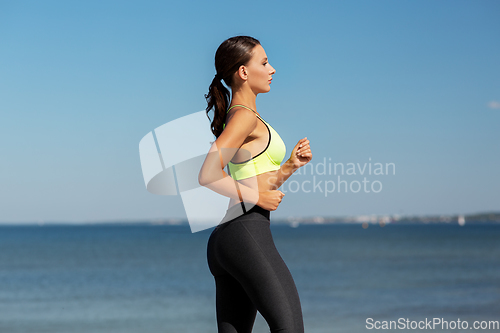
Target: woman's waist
244 208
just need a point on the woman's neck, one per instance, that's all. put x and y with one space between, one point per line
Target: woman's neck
244 97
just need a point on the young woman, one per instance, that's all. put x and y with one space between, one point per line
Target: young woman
249 272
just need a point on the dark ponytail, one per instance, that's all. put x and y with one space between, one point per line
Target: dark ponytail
231 54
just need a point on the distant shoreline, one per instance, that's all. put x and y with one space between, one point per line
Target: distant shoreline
480 218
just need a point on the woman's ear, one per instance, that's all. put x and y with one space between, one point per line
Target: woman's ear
242 72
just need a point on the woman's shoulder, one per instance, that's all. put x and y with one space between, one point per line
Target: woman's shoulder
241 114
240 121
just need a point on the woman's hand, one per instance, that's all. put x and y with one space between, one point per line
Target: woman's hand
301 153
270 199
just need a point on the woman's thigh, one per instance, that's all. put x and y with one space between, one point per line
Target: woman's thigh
235 310
247 252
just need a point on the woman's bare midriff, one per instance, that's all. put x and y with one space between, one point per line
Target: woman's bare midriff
261 183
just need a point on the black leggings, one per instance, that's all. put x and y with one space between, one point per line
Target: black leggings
250 275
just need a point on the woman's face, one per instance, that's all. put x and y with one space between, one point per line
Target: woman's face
259 71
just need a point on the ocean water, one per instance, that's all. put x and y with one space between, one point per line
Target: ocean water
155 278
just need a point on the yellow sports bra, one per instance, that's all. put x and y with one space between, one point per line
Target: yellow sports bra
267 160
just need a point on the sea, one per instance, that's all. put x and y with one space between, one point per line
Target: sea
141 278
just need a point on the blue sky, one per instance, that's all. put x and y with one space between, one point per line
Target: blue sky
414 83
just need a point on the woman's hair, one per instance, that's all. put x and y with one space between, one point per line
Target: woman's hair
230 55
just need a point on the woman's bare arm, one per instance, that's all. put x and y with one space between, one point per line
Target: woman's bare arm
212 175
284 172
301 155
